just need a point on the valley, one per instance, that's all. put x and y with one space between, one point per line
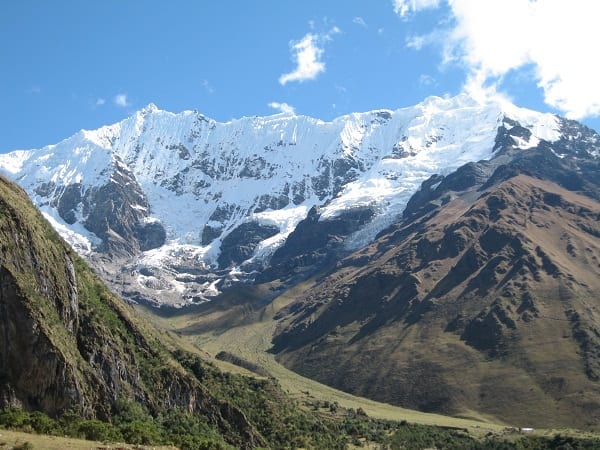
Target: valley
327 225
317 298
209 330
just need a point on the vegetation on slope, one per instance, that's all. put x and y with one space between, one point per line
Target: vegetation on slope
136 427
74 360
70 349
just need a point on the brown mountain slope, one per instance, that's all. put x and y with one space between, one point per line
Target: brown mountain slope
489 303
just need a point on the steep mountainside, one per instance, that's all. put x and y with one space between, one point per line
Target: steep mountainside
484 298
67 345
172 208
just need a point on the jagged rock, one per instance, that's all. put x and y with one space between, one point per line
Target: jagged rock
68 203
114 211
200 179
239 244
314 243
150 235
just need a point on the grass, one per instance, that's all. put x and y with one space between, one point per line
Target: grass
10 439
251 341
208 330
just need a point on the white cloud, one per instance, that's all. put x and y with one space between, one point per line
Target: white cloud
416 42
426 80
494 37
100 102
406 7
360 21
307 54
308 61
282 107
334 30
207 86
121 100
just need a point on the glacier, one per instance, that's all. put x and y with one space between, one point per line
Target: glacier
200 180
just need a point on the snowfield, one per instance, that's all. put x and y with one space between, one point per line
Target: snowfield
202 179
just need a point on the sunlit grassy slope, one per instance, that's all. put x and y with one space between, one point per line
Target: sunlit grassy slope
241 324
18 439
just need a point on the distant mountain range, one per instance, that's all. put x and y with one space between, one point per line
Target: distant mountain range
447 254
173 208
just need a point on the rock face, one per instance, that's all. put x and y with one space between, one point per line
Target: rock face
162 204
27 357
314 244
66 343
485 295
117 213
240 244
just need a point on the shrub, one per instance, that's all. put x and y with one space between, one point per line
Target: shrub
69 424
142 433
127 411
95 430
13 418
42 424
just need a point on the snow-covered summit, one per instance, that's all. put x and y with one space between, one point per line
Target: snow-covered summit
201 180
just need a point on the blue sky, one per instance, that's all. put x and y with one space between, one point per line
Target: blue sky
75 64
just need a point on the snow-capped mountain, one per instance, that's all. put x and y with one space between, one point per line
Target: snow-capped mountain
171 208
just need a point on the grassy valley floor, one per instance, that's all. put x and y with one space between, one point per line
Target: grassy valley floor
211 331
16 440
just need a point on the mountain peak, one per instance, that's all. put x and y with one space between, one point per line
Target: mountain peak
197 181
149 108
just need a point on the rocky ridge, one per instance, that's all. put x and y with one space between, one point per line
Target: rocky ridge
173 208
484 296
